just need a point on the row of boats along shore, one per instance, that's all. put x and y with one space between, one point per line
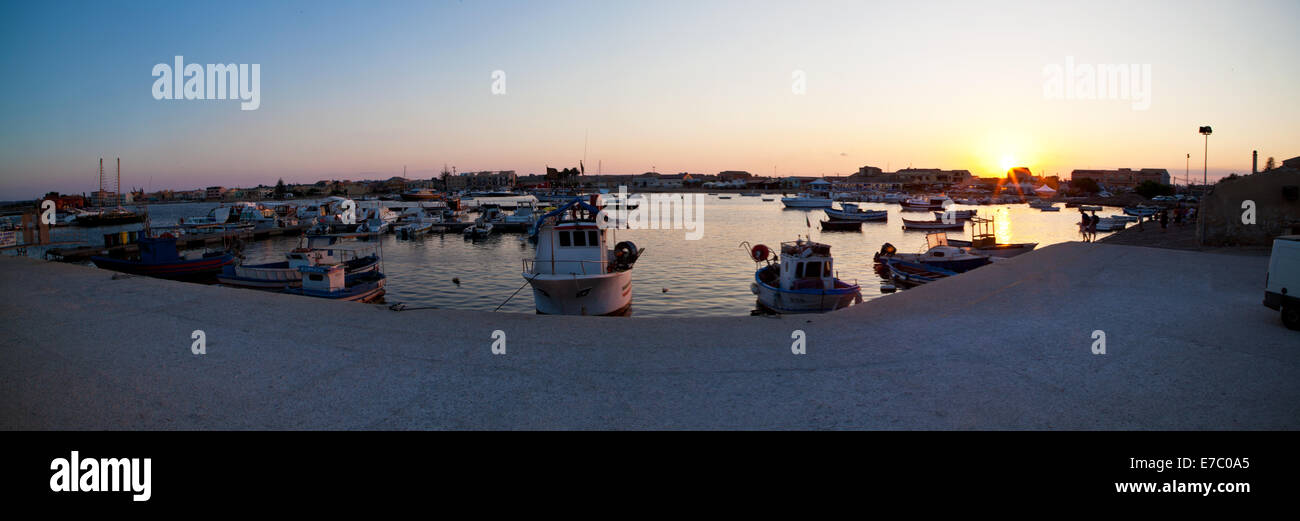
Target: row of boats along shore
579 267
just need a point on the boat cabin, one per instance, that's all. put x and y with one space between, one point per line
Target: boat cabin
325 278
806 265
571 247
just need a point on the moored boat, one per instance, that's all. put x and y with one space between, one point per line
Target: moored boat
841 225
914 274
160 258
938 253
939 224
802 280
851 212
806 201
332 282
573 271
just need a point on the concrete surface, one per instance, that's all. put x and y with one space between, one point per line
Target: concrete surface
1008 346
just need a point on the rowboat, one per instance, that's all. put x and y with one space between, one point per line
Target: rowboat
1141 211
909 224
806 201
840 225
938 254
851 212
914 274
956 214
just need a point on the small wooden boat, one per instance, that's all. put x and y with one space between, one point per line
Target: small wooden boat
956 214
281 275
724 197
984 241
851 212
909 224
841 226
938 254
806 201
332 282
109 217
803 281
478 230
914 274
923 203
160 258
1141 211
1090 208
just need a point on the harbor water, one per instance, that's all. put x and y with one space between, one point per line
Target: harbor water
675 276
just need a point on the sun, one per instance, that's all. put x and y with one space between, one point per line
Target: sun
1008 162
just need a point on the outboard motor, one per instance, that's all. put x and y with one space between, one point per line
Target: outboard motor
885 251
625 254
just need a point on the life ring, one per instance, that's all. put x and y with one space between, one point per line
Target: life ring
760 252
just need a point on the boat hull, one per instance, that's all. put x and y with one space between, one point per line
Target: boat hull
933 225
792 202
841 215
804 300
196 269
605 294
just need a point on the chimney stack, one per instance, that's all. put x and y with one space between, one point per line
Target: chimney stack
1254 162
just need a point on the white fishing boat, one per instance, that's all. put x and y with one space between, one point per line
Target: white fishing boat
1106 224
802 280
851 212
806 201
573 271
319 251
923 203
938 253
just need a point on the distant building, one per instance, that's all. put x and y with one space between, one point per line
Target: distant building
215 192
870 176
727 176
1123 177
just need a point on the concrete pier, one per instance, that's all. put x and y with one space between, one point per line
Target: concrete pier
1009 346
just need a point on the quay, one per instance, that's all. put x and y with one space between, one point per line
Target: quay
82 253
1188 345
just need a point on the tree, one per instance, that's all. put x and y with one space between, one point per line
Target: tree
1086 184
280 189
1269 165
1149 189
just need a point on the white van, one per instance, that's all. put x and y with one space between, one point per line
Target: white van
1282 286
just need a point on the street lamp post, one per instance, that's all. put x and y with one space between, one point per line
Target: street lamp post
1205 174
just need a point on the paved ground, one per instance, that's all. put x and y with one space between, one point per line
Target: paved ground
1008 346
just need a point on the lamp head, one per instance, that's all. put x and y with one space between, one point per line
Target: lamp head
1206 130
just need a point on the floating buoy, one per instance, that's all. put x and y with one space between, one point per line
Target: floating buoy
456 281
665 290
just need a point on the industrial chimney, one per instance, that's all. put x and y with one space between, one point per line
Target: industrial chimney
1254 162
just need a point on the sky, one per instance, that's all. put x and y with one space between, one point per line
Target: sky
352 90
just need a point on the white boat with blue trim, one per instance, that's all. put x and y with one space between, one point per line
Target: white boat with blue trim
801 281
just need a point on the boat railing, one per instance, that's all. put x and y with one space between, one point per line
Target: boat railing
587 267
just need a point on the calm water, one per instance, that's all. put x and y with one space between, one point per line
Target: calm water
704 277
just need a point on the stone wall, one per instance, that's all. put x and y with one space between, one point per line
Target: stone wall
1220 222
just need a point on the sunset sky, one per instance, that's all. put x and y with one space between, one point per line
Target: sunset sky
357 90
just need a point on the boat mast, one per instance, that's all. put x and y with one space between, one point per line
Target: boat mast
118 194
